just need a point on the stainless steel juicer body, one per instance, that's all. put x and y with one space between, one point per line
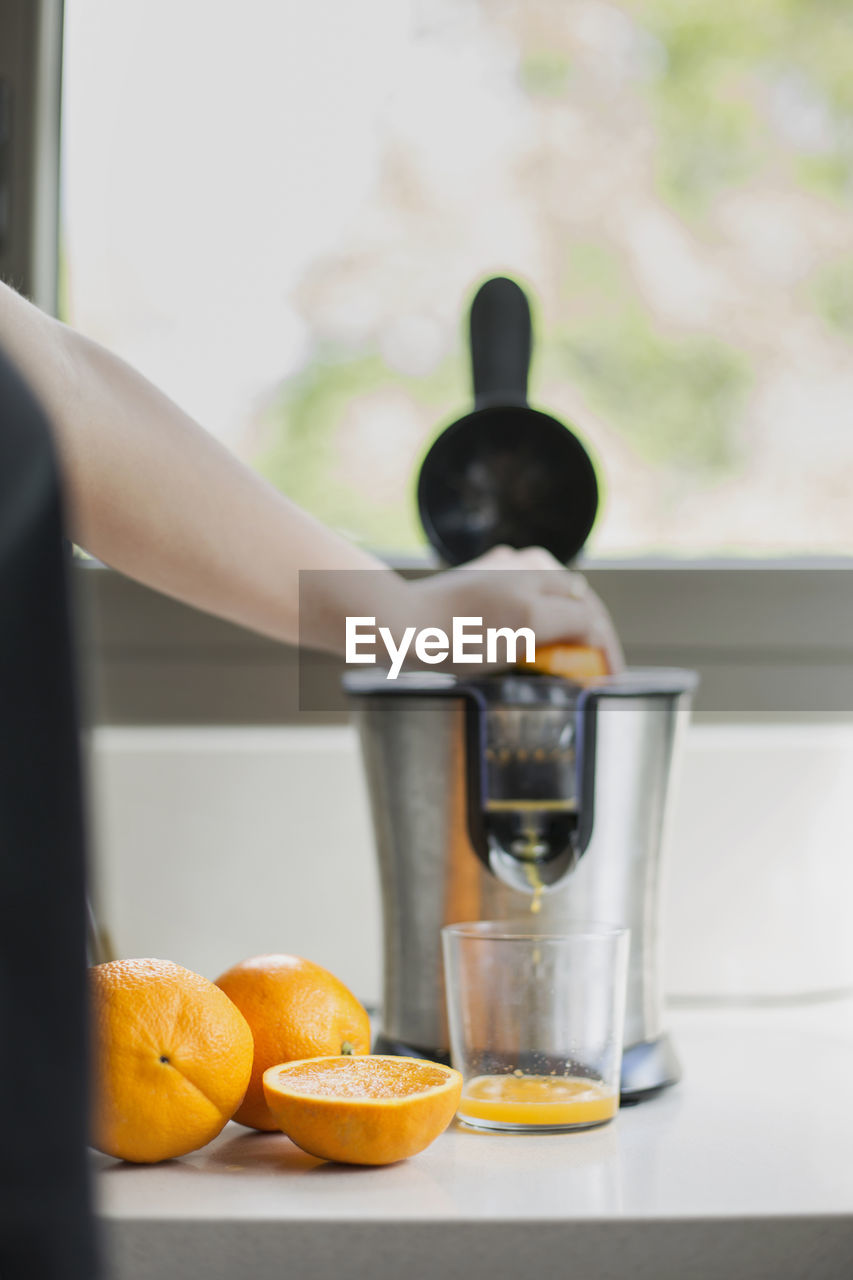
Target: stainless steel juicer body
424 746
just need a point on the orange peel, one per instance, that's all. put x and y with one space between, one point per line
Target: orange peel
578 662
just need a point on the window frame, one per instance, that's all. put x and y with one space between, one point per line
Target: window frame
31 75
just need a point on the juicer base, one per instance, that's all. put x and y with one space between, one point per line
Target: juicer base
647 1067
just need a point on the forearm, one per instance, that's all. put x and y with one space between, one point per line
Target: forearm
155 496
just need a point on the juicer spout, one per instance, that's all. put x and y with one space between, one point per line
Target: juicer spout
531 876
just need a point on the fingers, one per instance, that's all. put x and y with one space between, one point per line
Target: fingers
556 618
593 624
566 583
539 562
565 608
557 606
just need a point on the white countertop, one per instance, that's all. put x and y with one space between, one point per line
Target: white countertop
745 1169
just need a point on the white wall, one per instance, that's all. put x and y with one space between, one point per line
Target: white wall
213 845
759 894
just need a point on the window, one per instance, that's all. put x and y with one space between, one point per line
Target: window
281 220
279 212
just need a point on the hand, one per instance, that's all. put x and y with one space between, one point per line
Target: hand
510 588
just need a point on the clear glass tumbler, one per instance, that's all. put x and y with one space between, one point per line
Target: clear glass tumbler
536 1021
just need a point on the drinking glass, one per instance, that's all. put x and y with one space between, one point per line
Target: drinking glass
536 1017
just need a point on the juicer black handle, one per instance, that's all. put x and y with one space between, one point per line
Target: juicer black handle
501 339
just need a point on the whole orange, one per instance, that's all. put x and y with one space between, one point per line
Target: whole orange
172 1058
296 1009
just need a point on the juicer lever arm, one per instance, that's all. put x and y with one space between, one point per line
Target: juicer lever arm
501 340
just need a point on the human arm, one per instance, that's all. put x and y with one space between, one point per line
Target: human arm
151 493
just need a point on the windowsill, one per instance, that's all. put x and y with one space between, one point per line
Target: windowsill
770 639
427 562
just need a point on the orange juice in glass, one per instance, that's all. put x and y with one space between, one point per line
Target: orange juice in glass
535 1019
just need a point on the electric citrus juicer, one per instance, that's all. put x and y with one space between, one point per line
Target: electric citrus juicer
493 794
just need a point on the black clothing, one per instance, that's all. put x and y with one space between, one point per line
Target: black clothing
46 1228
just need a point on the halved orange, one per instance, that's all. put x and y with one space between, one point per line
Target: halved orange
578 662
367 1109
